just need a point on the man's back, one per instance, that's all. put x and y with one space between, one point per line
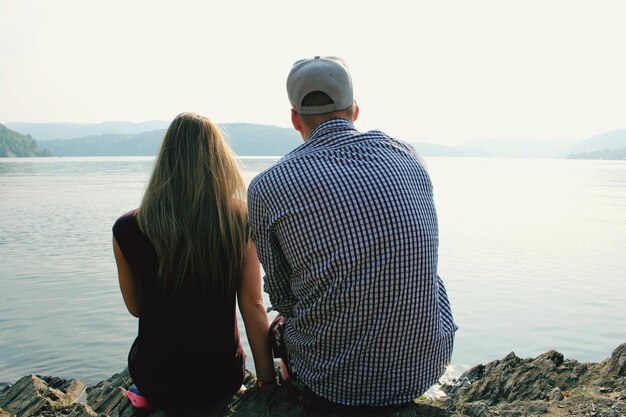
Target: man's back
346 230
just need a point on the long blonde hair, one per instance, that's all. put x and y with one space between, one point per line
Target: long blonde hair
193 211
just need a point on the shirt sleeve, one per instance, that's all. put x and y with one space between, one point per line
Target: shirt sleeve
276 267
125 232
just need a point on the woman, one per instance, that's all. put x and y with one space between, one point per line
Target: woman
182 258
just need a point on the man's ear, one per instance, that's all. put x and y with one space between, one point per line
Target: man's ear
295 120
356 111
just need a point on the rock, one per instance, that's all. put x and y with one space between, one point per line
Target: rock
556 395
109 397
477 409
32 394
514 379
616 364
546 385
81 410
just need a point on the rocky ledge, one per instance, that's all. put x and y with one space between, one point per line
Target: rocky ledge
545 385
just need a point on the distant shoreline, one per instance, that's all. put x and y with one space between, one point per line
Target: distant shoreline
248 139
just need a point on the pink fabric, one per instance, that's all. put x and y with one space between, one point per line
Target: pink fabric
138 401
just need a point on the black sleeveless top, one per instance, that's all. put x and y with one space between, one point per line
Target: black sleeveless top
187 352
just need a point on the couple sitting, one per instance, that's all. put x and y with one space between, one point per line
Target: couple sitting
346 230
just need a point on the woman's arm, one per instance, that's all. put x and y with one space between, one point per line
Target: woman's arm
127 281
254 316
277 269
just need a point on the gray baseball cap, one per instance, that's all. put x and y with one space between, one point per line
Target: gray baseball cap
327 74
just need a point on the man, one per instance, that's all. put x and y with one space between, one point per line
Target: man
346 230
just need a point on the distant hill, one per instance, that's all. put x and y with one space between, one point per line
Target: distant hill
15 144
126 139
140 144
614 139
254 139
429 149
603 146
612 154
244 138
523 148
48 131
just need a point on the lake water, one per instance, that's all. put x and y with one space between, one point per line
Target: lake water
533 253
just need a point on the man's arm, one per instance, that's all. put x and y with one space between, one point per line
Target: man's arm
277 269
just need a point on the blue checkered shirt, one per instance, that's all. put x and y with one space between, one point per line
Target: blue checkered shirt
346 230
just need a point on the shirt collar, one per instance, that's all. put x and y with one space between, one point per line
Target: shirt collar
328 126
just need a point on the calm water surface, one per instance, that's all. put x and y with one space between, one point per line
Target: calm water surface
533 253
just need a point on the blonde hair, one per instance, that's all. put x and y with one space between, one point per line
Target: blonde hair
193 211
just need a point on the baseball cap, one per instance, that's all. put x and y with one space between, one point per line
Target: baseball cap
327 74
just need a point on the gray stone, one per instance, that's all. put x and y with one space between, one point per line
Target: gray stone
511 387
81 410
616 364
476 409
556 395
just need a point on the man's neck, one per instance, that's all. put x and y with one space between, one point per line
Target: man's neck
307 130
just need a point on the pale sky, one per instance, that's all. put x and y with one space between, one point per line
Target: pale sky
438 71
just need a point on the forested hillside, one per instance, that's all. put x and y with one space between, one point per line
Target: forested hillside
69 130
244 138
15 144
